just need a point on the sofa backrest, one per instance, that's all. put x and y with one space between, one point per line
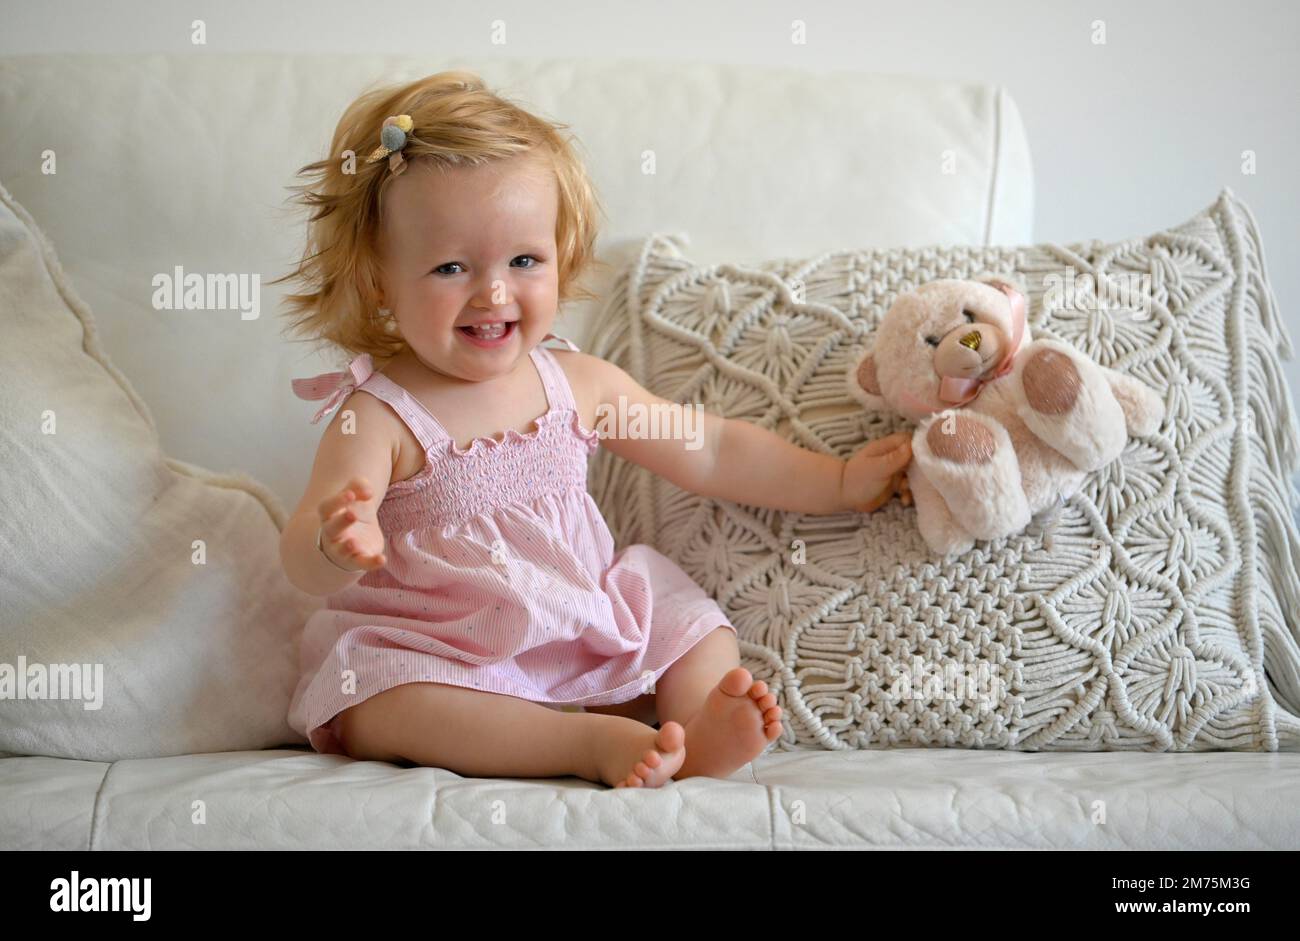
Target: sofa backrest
167 161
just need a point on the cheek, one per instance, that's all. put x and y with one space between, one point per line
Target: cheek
540 290
436 298
912 380
427 309
914 365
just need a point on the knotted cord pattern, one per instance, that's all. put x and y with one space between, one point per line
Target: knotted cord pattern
1156 609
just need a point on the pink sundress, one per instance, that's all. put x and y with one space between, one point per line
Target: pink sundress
501 574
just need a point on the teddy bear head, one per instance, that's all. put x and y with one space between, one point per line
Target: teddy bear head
937 343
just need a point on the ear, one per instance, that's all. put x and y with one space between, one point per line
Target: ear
996 280
862 383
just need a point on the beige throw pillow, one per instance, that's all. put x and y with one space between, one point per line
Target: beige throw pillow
143 609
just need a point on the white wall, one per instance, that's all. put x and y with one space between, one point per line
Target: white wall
1127 137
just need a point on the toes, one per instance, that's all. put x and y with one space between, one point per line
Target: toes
652 759
767 702
772 730
758 689
771 715
671 737
737 682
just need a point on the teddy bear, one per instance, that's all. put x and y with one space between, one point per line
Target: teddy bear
1006 426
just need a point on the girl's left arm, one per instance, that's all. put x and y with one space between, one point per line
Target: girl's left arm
739 461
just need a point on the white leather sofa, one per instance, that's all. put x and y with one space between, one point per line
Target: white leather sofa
752 164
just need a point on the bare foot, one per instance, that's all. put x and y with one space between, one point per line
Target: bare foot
736 722
653 755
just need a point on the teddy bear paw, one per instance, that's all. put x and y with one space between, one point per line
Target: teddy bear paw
969 459
1066 401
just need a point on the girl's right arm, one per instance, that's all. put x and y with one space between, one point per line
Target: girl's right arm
361 462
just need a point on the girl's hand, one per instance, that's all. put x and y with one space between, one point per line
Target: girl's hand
904 489
350 533
877 472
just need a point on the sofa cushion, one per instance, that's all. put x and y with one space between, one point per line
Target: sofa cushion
153 584
902 798
1158 610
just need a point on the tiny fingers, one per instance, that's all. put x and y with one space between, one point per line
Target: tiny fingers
336 524
358 488
331 506
875 502
888 443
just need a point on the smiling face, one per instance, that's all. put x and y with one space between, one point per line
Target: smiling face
471 245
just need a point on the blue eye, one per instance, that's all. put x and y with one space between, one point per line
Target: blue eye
456 264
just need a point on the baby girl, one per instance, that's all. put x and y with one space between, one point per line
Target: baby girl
473 585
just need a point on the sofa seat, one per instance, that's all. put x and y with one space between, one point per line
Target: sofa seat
901 798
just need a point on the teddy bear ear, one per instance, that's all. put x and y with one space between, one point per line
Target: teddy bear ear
863 385
1010 280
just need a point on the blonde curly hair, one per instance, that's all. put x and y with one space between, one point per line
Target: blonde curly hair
457 122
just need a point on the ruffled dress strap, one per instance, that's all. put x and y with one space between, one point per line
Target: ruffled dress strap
427 429
558 392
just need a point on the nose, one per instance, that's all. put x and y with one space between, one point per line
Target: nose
492 291
958 354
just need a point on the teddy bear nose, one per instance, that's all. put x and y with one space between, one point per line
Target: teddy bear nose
971 340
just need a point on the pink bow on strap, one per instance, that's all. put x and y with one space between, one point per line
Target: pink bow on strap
334 387
959 391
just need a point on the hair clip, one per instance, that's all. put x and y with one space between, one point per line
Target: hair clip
392 138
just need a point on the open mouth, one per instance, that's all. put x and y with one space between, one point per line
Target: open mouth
489 333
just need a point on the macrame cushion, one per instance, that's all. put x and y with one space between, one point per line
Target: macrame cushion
1158 611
